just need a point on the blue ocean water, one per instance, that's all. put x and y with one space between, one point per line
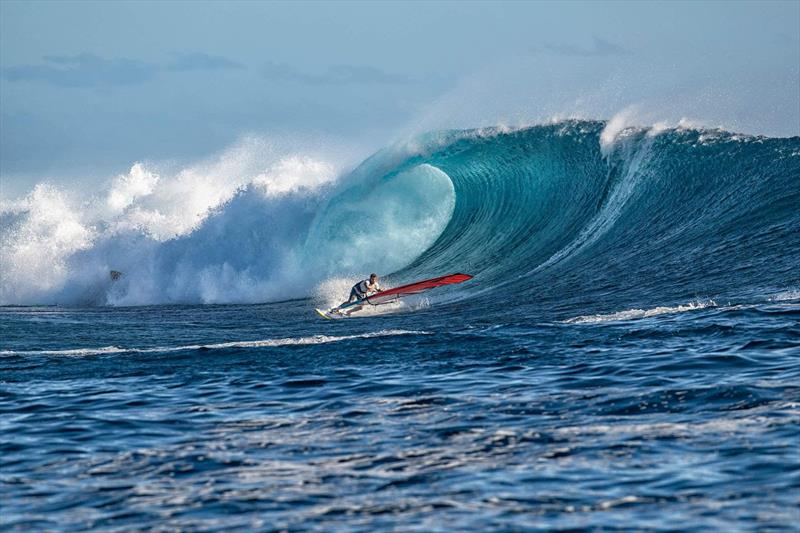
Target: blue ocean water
627 355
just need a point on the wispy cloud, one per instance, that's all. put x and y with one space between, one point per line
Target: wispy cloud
336 75
89 70
201 61
83 70
599 48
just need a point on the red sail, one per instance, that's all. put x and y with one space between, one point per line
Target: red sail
415 288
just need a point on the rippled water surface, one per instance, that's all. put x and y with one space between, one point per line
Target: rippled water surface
227 417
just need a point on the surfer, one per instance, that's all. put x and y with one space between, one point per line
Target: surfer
369 290
364 288
360 291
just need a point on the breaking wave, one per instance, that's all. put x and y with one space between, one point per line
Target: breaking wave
576 215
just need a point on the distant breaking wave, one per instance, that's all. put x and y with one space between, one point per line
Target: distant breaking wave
632 314
576 215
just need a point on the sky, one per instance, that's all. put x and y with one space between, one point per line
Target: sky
89 88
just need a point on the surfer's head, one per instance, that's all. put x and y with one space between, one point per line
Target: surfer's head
373 278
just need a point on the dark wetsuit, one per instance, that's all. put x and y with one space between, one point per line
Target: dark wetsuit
361 289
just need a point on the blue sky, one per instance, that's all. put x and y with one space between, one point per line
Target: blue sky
87 88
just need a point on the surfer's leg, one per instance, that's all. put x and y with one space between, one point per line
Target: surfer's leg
353 297
354 309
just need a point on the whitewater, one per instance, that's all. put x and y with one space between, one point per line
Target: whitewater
628 351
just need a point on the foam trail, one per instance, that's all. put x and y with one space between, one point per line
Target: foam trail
635 314
265 343
785 296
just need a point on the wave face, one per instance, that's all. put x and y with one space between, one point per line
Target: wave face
567 216
572 215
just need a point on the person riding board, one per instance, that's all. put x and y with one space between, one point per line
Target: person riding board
363 289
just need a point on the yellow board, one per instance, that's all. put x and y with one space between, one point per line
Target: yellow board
323 314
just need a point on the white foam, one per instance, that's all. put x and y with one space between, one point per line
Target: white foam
335 290
634 314
686 123
256 223
751 419
126 189
172 205
615 126
264 343
653 123
59 245
295 174
46 230
785 296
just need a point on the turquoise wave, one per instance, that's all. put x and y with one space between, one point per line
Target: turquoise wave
546 215
563 215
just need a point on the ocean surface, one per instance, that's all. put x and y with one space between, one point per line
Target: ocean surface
627 356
